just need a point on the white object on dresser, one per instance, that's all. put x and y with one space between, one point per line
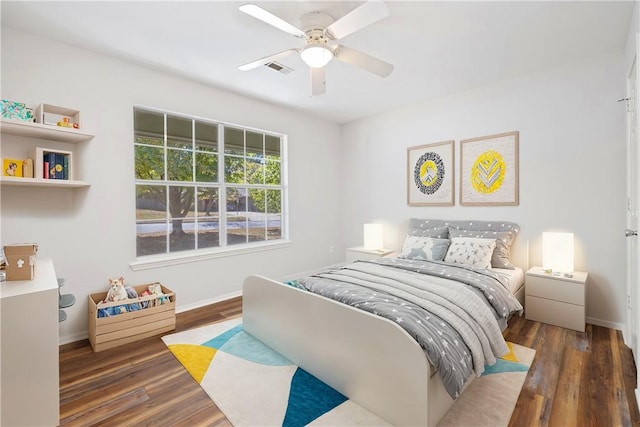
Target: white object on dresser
29 394
359 252
556 299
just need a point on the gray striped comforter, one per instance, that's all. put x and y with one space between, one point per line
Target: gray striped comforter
453 312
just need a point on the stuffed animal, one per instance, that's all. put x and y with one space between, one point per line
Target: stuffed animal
116 292
156 290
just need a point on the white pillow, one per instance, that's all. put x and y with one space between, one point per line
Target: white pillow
471 251
424 248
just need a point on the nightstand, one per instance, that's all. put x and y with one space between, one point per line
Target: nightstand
359 252
556 299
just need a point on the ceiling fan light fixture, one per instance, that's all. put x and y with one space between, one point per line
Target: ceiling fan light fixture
316 56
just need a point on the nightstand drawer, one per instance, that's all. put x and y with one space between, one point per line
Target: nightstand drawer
554 312
555 289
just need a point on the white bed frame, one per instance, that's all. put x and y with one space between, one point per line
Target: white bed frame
368 358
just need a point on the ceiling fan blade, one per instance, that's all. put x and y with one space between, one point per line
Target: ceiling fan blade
360 17
271 19
266 60
364 61
318 81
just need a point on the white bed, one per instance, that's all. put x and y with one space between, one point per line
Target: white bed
368 358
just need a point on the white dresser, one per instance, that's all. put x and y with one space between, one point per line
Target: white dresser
30 389
557 300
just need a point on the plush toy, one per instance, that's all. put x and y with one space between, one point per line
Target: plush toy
116 292
156 290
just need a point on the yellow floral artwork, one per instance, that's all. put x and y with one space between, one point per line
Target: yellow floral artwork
487 173
489 170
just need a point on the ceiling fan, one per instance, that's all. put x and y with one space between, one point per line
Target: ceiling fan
320 31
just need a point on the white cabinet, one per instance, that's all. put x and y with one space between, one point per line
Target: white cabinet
556 299
29 390
45 133
360 252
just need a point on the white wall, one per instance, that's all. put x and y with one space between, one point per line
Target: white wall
572 167
90 233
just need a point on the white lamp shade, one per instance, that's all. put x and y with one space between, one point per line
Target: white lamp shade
373 237
316 56
557 252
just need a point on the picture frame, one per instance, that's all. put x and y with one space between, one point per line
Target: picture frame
489 173
430 174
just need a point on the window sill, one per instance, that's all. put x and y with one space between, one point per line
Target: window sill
164 260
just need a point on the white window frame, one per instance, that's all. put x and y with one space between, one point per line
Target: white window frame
181 257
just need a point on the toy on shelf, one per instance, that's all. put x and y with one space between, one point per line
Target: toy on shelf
67 124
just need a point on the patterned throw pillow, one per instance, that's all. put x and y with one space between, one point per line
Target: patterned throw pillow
424 248
501 254
471 251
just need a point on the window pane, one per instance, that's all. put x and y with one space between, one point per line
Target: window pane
149 162
257 219
272 146
208 202
255 170
182 240
182 212
274 227
208 218
148 127
206 167
236 216
254 144
274 214
206 137
179 133
181 202
274 201
234 141
257 227
234 170
151 220
273 173
180 165
151 202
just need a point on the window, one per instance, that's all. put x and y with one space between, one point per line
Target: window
201 184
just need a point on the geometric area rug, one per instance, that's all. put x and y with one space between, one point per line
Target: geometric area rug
255 386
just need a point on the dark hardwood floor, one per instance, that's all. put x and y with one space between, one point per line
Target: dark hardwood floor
576 379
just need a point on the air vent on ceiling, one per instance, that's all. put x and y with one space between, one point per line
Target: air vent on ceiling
278 67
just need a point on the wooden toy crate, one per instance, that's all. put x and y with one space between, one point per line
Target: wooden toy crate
112 331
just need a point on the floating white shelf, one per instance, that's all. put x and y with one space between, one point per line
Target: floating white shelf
38 130
39 182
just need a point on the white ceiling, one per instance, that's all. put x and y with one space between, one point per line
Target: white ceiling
438 48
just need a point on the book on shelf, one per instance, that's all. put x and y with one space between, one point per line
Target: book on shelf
54 168
53 163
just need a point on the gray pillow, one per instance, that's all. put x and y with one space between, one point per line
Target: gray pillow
424 248
501 254
428 228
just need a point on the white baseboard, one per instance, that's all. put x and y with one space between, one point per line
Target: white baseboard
73 338
209 301
605 323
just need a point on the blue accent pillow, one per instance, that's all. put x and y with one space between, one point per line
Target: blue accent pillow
424 248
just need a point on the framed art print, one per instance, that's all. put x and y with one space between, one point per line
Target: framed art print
489 170
430 175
